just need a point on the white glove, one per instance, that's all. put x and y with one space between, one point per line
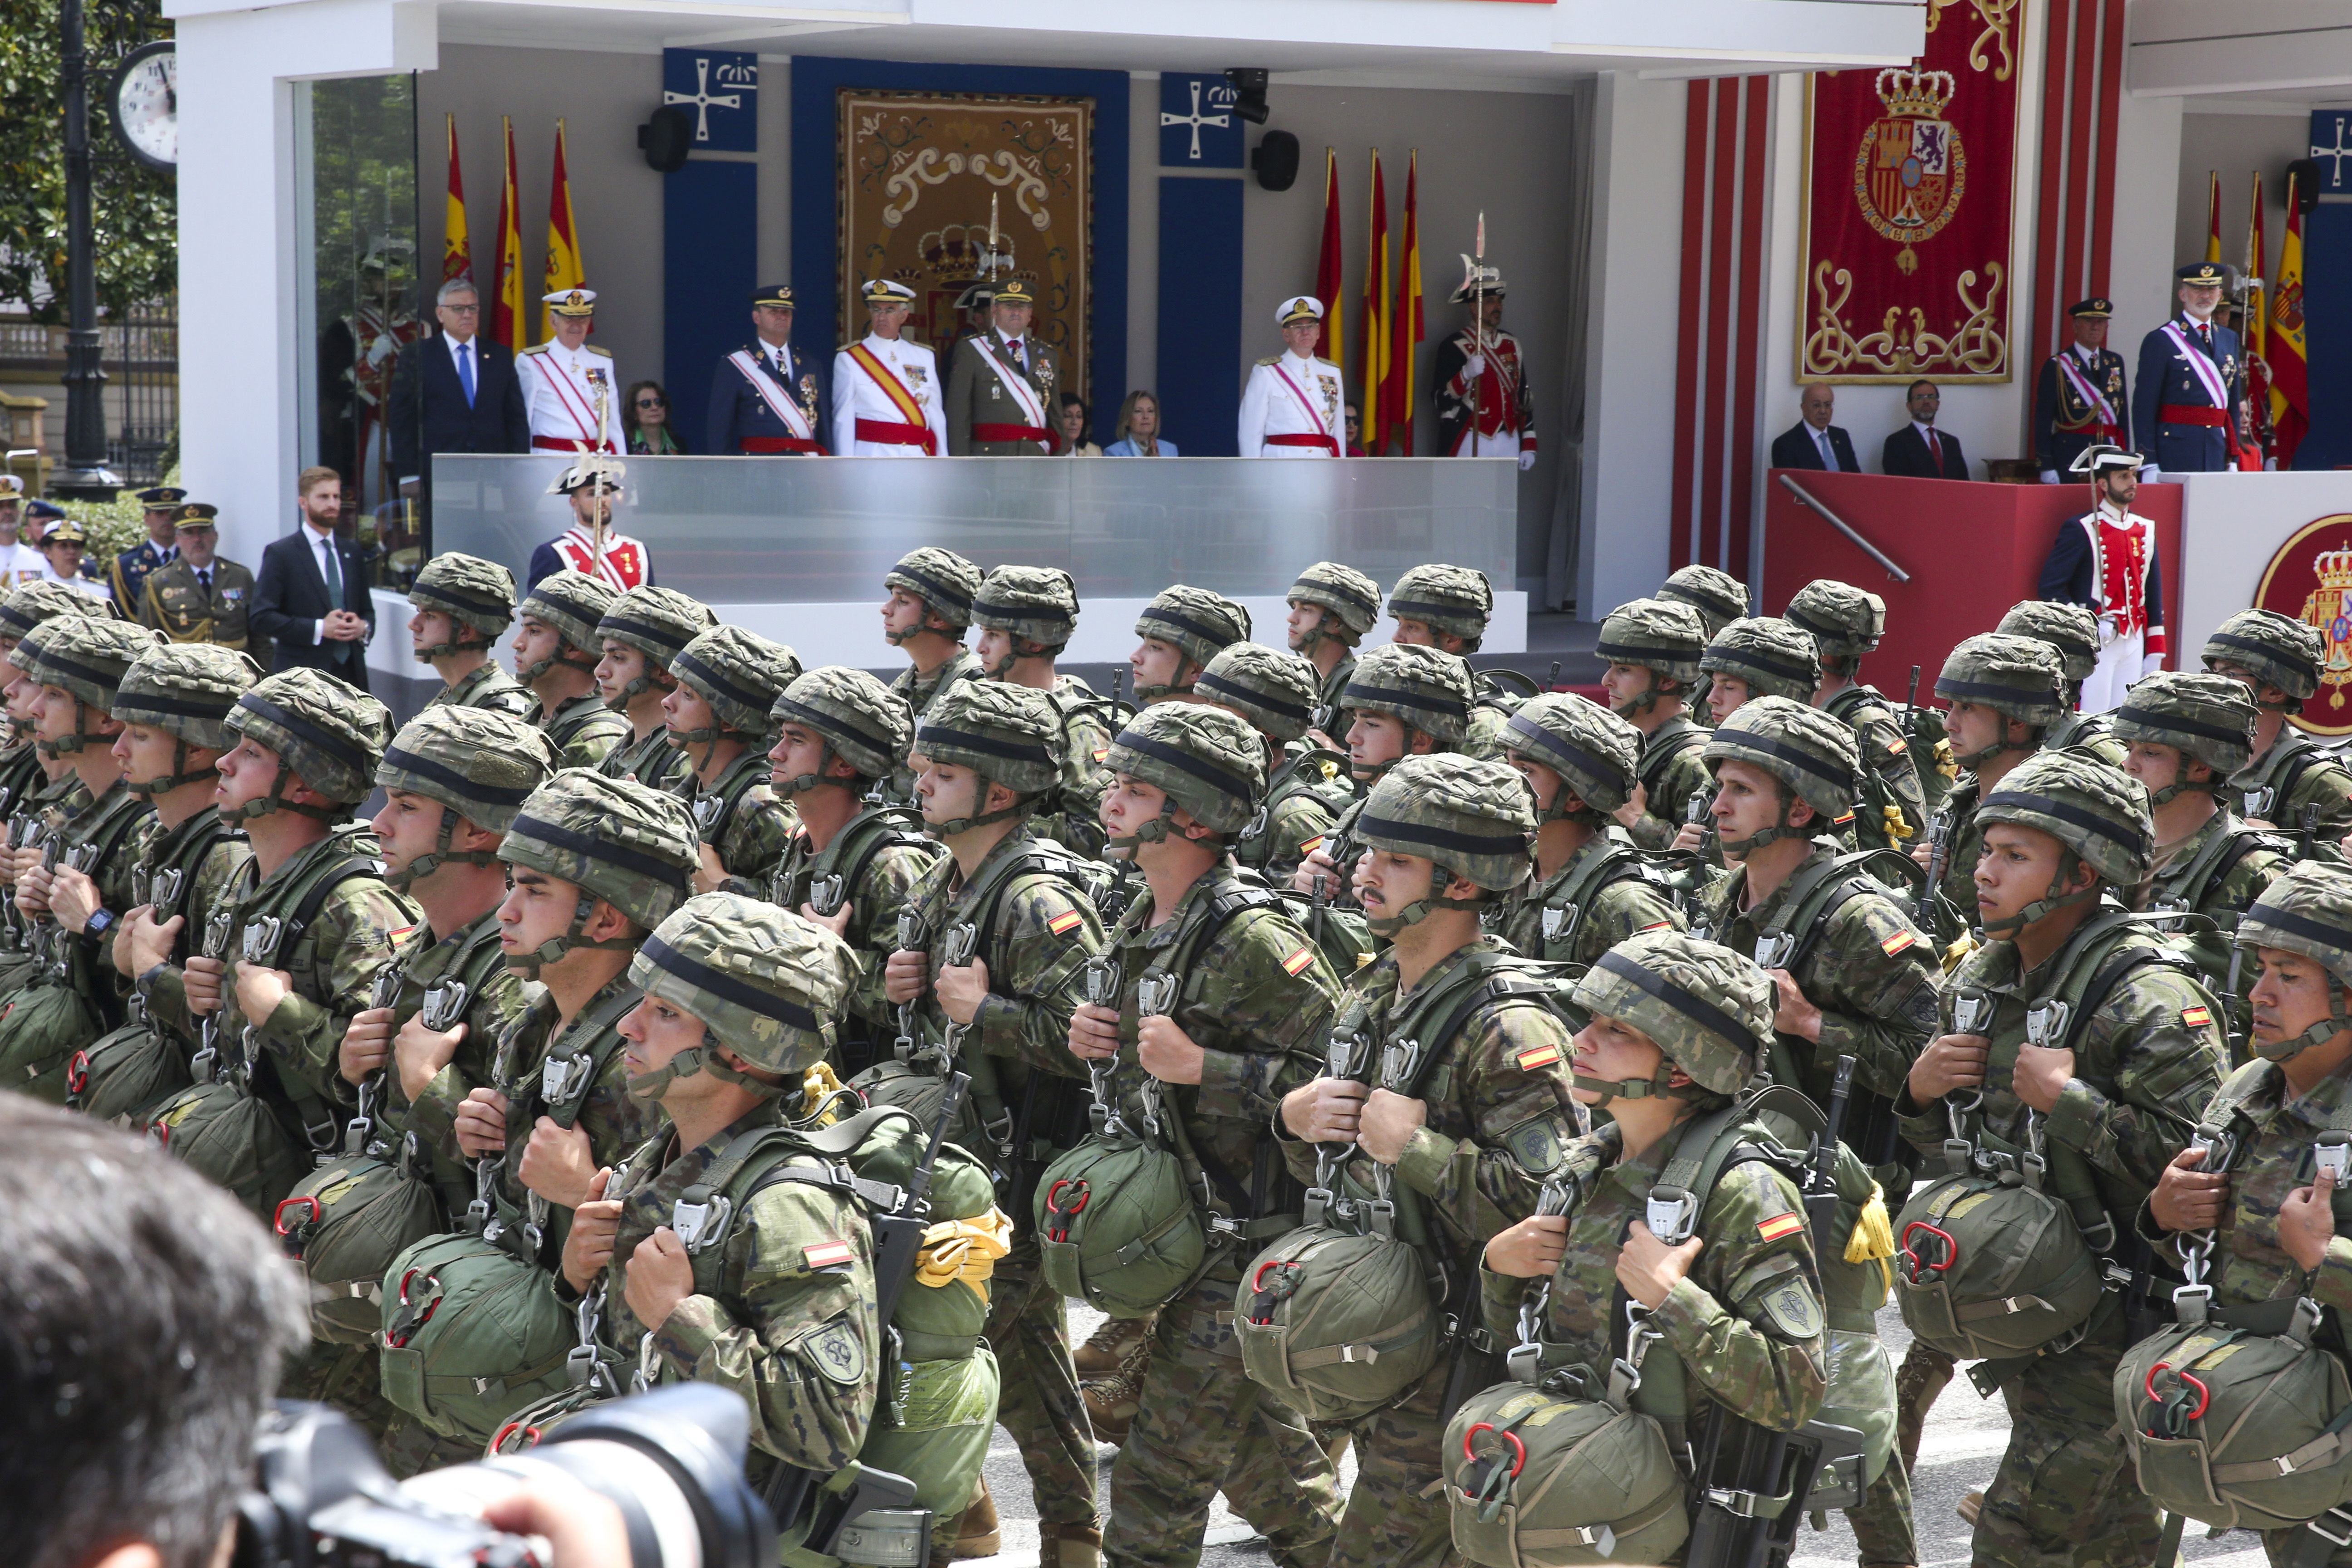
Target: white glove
2150 663
1473 367
1527 461
2150 474
2049 476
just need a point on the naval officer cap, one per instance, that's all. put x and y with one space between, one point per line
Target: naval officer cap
162 497
1299 310
888 292
571 301
773 296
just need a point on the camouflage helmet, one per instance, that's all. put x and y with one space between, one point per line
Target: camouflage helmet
2016 676
763 982
476 763
1276 691
1428 690
2072 630
324 731
1597 752
473 592
27 606
2098 812
575 605
1007 734
628 844
1195 622
1846 621
1351 597
1036 604
1810 753
82 655
2277 650
1471 817
1708 1008
741 674
1719 597
1458 600
945 581
1656 635
659 623
1774 656
863 722
2307 911
1207 760
2210 718
186 690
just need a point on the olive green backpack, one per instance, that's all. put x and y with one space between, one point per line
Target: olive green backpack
470 1331
349 1220
53 1017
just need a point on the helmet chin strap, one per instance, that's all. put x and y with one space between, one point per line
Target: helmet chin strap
708 736
2182 783
650 676
1642 703
1152 832
2319 1033
275 800
574 937
1413 913
801 783
180 773
1778 831
424 866
444 649
694 1060
562 655
1660 1085
66 745
1146 695
2049 903
979 818
1973 760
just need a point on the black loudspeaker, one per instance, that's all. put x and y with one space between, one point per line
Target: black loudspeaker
665 137
2305 176
1276 159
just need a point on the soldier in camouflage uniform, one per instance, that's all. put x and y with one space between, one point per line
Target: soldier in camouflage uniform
1676 1027
2005 694
1653 647
2291 783
1182 630
556 648
1403 701
1332 606
1899 789
1028 614
926 616
727 679
1763 656
1307 787
1717 596
2115 1096
1590 891
463 604
1250 994
1460 1134
42 790
1447 608
639 635
2073 631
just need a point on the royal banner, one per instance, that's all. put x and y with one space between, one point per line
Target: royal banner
2309 579
919 174
1909 202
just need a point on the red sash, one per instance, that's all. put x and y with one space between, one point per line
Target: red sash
2181 414
882 433
760 446
1012 432
1320 443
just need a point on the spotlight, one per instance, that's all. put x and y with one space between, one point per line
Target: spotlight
1250 85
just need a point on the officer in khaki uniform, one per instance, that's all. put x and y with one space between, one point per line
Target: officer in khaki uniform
198 598
1004 388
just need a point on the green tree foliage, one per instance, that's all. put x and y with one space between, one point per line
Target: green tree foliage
134 209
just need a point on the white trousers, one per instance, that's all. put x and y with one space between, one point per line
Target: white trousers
2118 667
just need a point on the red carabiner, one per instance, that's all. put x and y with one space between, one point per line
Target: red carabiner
278 1218
1054 1211
1951 1249
77 1072
1257 1280
1517 1464
530 1436
2204 1395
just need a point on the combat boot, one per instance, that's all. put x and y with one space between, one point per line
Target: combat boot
977 1532
1108 1347
1069 1545
1111 1402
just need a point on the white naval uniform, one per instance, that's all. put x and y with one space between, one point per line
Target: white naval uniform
1291 396
857 395
560 386
20 564
88 586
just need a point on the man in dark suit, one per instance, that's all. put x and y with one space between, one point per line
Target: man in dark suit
2192 383
455 392
1813 442
311 599
1919 450
764 397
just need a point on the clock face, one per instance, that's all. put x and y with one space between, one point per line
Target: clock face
147 105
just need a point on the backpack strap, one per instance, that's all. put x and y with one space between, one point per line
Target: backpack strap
2224 855
1617 861
604 1039
1673 738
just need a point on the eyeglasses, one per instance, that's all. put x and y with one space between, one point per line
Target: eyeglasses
649 402
463 310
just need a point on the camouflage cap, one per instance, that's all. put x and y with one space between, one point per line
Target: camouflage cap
329 732
1008 734
27 606
1775 657
1846 621
1205 760
1275 690
615 839
1472 815
656 621
1595 751
2072 630
1195 620
2096 810
1340 588
1656 635
1812 754
2207 716
863 722
470 591
1708 1008
186 690
2278 650
1719 597
1454 599
574 604
2013 675
944 581
2307 911
1429 690
83 655
741 674
764 982
1035 604
481 763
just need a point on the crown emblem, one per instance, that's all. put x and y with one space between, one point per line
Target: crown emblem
1915 94
2334 569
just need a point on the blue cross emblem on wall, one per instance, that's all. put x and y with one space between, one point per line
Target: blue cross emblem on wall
1198 127
718 88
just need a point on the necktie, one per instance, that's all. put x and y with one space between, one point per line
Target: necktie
1935 448
2205 335
204 578
1829 455
1017 357
465 371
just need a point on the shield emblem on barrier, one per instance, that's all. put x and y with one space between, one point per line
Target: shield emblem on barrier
2310 580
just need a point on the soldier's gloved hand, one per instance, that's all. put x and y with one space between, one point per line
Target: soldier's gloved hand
73 899
1792 1014
2049 476
657 1277
1527 461
1636 807
1473 367
836 922
259 990
2040 1076
1389 1120
588 1246
1530 1249
202 978
1167 1052
1949 1062
2186 1197
904 977
143 944
557 1164
961 989
1326 1111
33 887
1318 867
1648 1267
421 1053
1094 1033
367 1044
481 1123
2307 1221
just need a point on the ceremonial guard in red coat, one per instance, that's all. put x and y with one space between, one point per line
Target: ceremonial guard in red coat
2106 561
592 544
2079 401
1482 409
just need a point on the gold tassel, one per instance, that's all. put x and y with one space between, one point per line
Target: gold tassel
1965 944
1946 763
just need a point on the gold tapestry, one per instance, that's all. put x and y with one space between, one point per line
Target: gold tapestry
916 173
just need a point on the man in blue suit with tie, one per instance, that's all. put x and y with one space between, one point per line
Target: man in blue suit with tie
2192 383
764 398
453 392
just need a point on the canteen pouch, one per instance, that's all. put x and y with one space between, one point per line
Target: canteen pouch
1337 1323
125 1078
1116 1226
470 1334
1989 1268
230 1136
345 1223
40 1032
1536 1479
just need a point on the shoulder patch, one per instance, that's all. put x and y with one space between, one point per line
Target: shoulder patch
2197 1018
1791 1309
1534 1145
1066 922
1101 751
1297 962
1901 941
1656 925
827 1254
835 1351
1535 1057
1780 1226
1312 845
1896 745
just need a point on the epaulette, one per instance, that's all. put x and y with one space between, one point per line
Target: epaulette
540 348
1269 363
591 348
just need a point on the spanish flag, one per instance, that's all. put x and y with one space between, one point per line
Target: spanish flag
1404 320
563 270
2257 344
1374 359
1328 271
506 314
2290 375
2213 218
456 245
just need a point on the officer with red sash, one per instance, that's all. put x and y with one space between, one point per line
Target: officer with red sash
1293 404
2106 561
887 398
2079 401
764 398
2191 382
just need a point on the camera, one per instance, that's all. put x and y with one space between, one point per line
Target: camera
672 1460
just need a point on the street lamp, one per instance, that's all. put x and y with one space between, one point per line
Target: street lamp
84 475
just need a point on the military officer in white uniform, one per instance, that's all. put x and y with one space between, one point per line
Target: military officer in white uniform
1291 406
569 388
887 399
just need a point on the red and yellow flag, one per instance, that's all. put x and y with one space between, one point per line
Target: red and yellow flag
1328 267
562 240
2290 372
1372 376
506 316
2257 344
2213 218
1404 319
456 245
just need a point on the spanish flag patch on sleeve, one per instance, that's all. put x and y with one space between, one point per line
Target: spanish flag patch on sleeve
1780 1226
1065 923
2197 1018
827 1254
1295 965
1536 1056
1101 751
1312 845
1900 942
1896 746
1656 925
